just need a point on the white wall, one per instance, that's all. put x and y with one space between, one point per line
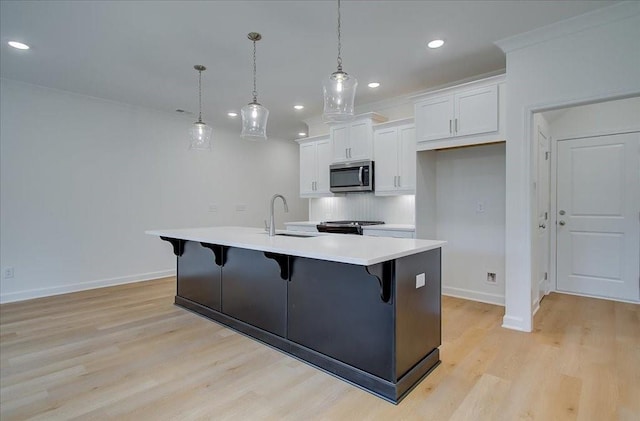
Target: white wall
83 178
364 207
470 212
593 119
581 60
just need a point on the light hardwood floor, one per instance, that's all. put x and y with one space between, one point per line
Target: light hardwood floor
127 352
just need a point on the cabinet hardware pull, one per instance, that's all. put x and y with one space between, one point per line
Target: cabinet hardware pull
456 125
399 182
395 181
450 127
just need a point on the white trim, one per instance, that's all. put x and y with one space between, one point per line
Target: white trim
472 295
620 300
83 286
461 84
394 123
536 306
514 323
570 26
598 133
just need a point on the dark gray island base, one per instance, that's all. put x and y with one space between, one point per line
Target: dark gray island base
375 327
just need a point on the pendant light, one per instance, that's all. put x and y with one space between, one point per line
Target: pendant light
254 115
200 132
339 89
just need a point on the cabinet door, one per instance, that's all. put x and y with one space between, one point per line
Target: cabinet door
323 160
360 140
336 309
476 111
434 118
308 170
253 290
340 142
407 159
385 144
199 276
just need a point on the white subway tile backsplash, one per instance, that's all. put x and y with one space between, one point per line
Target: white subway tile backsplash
364 206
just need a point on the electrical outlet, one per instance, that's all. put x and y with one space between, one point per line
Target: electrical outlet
7 273
420 280
491 277
213 208
241 208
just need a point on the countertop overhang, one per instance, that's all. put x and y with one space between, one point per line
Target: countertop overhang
353 249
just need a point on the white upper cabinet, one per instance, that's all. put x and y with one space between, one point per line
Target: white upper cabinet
461 115
395 158
315 158
353 141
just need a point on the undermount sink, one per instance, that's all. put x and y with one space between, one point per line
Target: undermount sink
286 234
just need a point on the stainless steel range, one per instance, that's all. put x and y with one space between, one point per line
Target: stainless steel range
345 227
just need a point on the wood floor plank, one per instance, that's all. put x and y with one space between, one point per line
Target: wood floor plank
128 353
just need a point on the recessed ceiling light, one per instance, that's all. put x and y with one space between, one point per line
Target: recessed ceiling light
18 45
298 107
374 84
232 114
302 134
436 43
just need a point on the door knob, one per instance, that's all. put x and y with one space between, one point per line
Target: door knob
561 222
561 212
543 226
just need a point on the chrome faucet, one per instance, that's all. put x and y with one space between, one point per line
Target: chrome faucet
272 223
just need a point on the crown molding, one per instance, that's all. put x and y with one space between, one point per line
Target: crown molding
604 16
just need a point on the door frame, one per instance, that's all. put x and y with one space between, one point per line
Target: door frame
553 249
549 284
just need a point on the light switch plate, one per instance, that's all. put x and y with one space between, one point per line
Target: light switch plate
420 280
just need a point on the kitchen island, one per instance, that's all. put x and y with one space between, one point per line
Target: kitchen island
365 309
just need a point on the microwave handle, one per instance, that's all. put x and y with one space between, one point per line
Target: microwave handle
360 171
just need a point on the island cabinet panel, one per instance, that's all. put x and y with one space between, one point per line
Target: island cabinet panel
199 277
253 289
418 306
337 309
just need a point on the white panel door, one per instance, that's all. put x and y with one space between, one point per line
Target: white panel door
340 141
323 160
307 168
476 111
385 145
407 159
434 118
541 287
360 140
598 231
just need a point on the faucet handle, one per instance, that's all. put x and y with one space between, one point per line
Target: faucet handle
266 226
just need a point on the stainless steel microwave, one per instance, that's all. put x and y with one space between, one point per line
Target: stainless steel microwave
351 177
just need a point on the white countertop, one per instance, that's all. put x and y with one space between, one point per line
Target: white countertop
354 249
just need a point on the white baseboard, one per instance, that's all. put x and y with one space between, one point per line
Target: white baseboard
82 286
472 295
514 323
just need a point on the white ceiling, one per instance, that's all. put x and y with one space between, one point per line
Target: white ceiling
143 52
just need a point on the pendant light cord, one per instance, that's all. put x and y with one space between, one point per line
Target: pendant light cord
339 41
255 90
199 96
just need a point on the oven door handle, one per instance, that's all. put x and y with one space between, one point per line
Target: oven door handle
360 171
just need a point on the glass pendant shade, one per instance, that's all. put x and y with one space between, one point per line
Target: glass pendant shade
200 132
339 96
200 137
254 122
